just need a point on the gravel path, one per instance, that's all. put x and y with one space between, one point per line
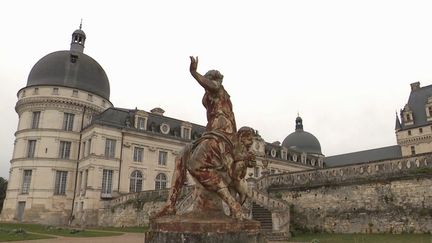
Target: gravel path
125 238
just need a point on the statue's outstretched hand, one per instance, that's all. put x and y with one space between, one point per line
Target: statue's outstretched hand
194 64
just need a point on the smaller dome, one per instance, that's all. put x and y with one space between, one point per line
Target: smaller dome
301 140
79 32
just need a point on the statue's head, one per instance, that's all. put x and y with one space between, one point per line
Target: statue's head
214 75
246 136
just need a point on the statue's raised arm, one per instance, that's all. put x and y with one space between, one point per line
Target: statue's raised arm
210 81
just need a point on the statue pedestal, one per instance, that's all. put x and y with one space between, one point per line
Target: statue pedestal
207 228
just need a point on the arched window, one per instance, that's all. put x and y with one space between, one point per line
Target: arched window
161 181
136 181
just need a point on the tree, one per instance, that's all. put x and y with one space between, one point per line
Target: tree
3 187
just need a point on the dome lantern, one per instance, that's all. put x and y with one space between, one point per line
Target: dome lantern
78 39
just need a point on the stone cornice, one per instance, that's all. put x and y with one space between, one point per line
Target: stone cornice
416 140
29 130
56 102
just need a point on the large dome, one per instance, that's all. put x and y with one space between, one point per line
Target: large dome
302 141
72 69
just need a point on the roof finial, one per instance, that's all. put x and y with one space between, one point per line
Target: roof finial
81 24
298 114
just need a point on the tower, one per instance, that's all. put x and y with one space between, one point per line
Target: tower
64 90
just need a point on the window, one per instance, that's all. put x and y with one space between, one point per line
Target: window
89 147
110 148
64 152
26 181
256 171
68 121
413 150
186 133
420 130
85 181
36 91
90 97
103 103
23 94
161 181
141 123
60 183
138 154
136 181
430 110
55 91
80 179
74 93
107 183
409 132
35 120
408 117
163 157
31 147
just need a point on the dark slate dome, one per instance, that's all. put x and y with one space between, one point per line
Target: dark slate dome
72 69
302 140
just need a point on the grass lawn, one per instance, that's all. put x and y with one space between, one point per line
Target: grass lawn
12 236
365 238
53 230
123 229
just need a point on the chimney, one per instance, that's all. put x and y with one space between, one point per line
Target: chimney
158 111
415 86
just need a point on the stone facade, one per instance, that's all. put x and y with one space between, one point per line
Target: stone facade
390 196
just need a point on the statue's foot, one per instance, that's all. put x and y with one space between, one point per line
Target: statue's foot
166 210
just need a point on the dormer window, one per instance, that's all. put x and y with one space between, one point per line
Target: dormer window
185 130
141 123
408 117
164 128
186 133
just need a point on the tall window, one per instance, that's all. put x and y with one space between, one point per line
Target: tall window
136 181
110 148
68 121
89 147
430 110
256 171
64 150
60 183
163 157
31 147
80 179
35 119
161 181
26 181
85 181
138 154
413 150
107 182
141 123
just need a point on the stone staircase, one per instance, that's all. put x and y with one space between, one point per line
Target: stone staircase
263 216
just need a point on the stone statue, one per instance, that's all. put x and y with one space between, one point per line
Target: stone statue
218 160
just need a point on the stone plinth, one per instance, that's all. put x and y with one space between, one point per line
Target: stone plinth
208 228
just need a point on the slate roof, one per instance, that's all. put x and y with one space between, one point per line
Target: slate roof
120 117
389 152
416 102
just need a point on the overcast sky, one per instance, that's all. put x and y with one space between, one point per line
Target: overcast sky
345 66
